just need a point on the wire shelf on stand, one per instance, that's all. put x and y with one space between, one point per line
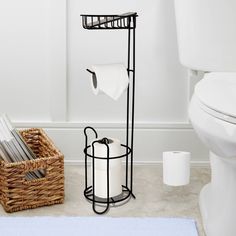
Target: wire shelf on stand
102 22
124 21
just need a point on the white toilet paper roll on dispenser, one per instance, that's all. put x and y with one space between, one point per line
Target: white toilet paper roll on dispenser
109 79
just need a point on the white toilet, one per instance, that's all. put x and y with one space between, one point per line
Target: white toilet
206 32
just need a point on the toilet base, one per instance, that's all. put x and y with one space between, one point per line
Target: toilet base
217 199
203 203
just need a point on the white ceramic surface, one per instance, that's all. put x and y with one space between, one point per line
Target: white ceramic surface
207 34
219 136
217 199
217 91
206 39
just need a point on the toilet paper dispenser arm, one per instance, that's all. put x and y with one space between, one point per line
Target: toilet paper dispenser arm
93 73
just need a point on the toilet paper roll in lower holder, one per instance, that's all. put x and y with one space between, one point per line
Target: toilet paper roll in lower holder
89 191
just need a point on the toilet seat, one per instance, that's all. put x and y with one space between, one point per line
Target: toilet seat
216 114
216 94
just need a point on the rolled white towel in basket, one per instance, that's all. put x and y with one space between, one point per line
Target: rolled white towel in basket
111 79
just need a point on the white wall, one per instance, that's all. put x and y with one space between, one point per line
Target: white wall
25 59
161 80
32 59
44 54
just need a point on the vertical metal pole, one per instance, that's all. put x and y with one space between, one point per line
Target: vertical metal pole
86 164
93 176
132 118
108 178
127 114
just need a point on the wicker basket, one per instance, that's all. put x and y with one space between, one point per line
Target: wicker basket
16 192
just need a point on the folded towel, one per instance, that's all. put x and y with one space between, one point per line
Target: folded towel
111 79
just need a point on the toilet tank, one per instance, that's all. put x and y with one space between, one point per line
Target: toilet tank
206 32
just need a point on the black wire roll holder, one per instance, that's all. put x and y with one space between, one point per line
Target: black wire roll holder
123 21
103 22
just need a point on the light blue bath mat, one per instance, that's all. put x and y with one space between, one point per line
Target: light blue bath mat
96 226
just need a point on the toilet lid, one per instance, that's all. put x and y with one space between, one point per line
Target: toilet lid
217 90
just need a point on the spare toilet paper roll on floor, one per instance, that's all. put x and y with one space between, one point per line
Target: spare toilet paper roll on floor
111 79
176 168
100 170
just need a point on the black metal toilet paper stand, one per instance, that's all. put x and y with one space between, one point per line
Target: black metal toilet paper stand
114 22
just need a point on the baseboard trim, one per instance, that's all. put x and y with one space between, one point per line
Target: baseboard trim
116 125
151 139
141 163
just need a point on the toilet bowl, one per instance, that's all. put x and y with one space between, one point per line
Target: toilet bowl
206 35
212 112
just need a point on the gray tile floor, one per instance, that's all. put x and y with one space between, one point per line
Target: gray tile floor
153 199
